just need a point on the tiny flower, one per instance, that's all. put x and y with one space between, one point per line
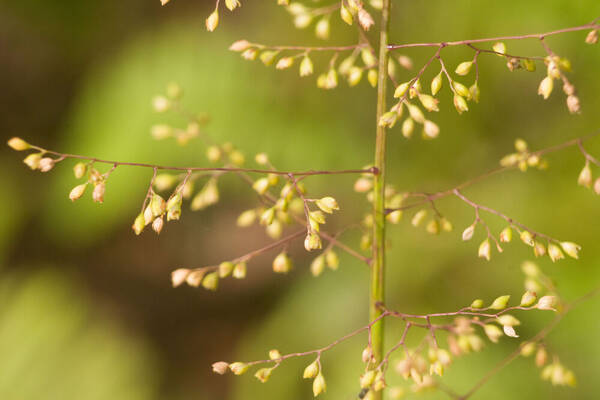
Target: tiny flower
284 63
572 249
475 92
539 249
364 19
319 385
139 223
79 170
401 90
157 225
436 84
500 302
306 66
327 204
354 75
367 354
211 281
430 103
311 370
547 303
415 113
506 235
546 86
246 218
509 320
240 45
220 367
408 127
282 264
46 164
527 349
179 276
239 270
468 233
493 332
332 260
77 191
238 368
485 249
263 374
267 217
267 57
18 144
372 77
555 252
585 176
464 68
528 299
510 331
249 54
212 21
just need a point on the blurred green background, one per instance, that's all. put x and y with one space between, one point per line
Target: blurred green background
87 310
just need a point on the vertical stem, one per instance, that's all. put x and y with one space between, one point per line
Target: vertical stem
378 264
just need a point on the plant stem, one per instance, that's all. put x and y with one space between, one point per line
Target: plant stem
378 265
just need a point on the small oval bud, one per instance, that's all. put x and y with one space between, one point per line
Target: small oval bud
157 225
232 4
311 371
160 104
546 86
328 204
306 66
77 191
284 63
240 45
592 37
499 47
18 144
547 303
179 276
474 92
485 249
332 260
408 126
367 379
464 68
239 270
460 104
585 176
528 348
528 299
98 193
139 224
263 374
312 242
46 164
238 368
194 278
477 303
274 354
212 21
211 281
436 84
220 367
322 28
500 303
282 264
493 332
79 170
506 235
597 186
527 238
317 265
555 252
572 249
418 218
372 77
33 160
415 113
319 385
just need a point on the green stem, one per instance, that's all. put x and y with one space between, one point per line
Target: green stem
378 263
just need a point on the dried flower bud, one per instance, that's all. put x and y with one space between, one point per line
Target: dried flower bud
98 193
139 224
319 385
240 45
220 367
372 77
528 299
464 68
468 233
327 204
282 264
547 303
46 164
364 19
332 259
18 144
239 270
573 104
474 92
485 250
263 374
408 126
527 238
157 225
79 170
194 278
212 21
500 303
306 66
211 281
312 242
179 276
546 86
592 37
160 104
506 235
238 368
232 4
493 332
585 176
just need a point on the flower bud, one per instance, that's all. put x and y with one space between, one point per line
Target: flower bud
528 348
194 278
539 249
332 259
592 37
179 276
322 28
415 113
546 86
77 191
327 204
282 263
477 303
306 66
541 357
18 144
546 303
79 170
365 20
474 92
98 193
317 265
240 45
249 54
418 218
597 186
493 332
161 131
572 249
510 331
500 303
367 379
433 227
401 89
319 385
372 77
211 281
160 104
430 103
232 4
367 354
485 249
346 14
506 235
220 367
46 164
311 371
263 374
527 238
585 176
261 185
529 64
157 224
139 224
464 68
460 104
408 127
509 320
284 63
212 21
238 368
239 270
499 47
528 299
312 242
573 104
302 20
388 119
436 84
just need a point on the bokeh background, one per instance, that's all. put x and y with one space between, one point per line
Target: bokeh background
87 311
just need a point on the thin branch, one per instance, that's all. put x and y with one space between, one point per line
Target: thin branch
593 25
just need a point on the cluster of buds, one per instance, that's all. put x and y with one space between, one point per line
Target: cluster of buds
328 258
350 10
212 21
156 209
434 225
326 205
36 161
555 68
208 277
586 179
523 158
554 372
